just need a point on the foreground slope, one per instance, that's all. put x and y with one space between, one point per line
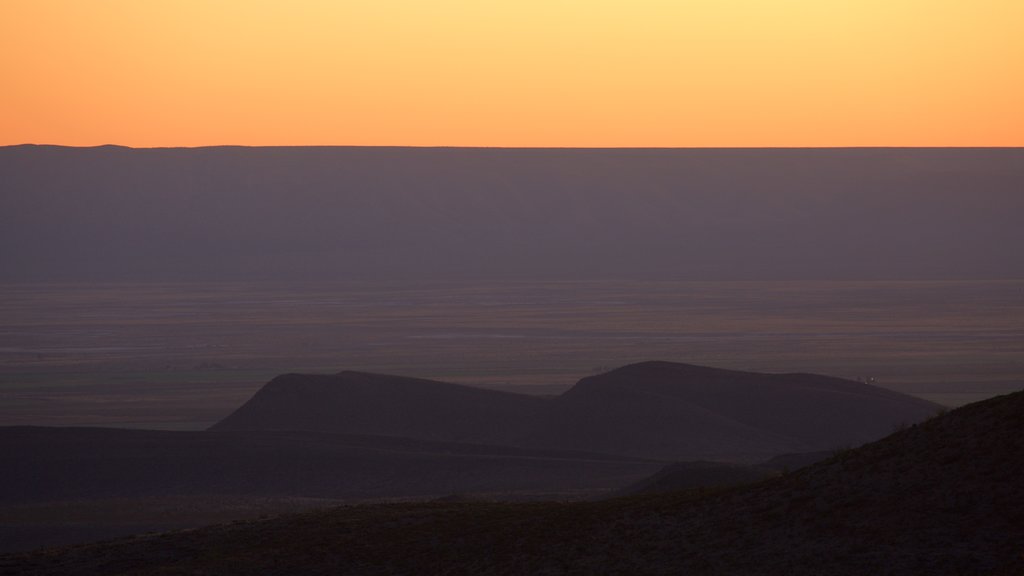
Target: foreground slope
943 497
660 410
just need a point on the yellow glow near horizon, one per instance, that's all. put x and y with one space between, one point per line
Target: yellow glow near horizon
503 73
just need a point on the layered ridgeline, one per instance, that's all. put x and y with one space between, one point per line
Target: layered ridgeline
356 436
944 497
350 213
660 410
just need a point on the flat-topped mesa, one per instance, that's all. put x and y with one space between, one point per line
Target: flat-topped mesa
659 410
364 403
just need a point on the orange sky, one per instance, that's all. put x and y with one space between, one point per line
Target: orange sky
513 73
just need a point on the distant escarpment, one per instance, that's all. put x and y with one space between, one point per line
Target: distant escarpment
661 410
491 214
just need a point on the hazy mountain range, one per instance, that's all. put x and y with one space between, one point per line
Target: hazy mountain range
349 213
943 497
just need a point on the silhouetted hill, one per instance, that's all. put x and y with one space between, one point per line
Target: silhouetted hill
684 412
350 213
707 475
656 410
360 403
940 498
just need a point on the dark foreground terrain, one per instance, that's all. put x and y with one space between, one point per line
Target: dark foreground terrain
305 441
942 497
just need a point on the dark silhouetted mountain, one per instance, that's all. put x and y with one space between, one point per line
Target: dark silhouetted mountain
941 498
360 403
349 213
684 412
658 410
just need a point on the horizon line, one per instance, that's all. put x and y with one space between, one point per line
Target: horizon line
456 147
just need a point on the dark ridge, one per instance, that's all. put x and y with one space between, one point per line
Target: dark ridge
683 412
362 403
659 410
941 498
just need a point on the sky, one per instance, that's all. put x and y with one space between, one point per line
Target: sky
536 73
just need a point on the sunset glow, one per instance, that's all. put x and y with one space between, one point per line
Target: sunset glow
588 73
